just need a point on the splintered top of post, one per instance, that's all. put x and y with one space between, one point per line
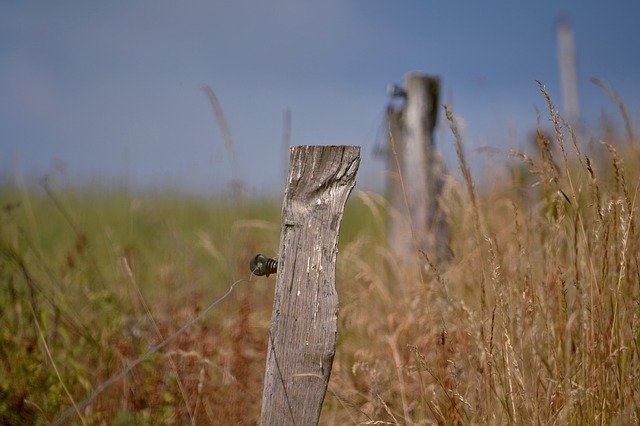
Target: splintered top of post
316 167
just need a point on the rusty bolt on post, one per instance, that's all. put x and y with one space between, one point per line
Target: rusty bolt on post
263 265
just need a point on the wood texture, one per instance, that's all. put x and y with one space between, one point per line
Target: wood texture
305 309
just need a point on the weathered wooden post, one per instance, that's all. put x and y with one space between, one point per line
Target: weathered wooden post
416 172
568 72
305 308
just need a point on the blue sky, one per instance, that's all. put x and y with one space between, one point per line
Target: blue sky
111 90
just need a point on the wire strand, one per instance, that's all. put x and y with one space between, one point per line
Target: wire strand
97 391
284 386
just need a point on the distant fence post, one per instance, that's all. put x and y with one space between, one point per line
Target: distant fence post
305 309
416 172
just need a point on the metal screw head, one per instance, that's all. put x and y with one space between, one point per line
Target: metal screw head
262 265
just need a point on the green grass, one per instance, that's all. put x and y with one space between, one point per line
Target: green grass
89 263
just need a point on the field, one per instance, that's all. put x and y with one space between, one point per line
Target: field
535 319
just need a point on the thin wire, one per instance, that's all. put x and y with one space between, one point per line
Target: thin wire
284 387
92 396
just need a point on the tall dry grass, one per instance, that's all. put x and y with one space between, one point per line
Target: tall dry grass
536 318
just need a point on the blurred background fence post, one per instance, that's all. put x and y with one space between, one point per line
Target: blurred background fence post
302 339
416 172
568 73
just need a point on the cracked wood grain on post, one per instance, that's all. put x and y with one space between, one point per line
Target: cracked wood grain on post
305 309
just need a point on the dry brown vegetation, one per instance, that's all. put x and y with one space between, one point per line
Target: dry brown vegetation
534 320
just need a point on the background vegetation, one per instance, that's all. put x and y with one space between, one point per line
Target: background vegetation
534 319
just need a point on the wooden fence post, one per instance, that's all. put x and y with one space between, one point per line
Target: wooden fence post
416 177
305 309
568 73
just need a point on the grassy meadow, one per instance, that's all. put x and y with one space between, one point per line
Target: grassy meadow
534 320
